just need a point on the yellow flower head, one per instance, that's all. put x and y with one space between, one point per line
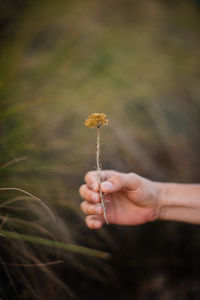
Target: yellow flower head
96 120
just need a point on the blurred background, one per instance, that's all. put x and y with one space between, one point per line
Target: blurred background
136 61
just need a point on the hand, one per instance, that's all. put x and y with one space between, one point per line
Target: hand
129 199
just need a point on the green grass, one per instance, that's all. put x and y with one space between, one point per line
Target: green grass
55 244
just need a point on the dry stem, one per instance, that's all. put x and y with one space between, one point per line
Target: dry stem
99 173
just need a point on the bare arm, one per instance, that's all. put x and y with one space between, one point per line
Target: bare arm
179 202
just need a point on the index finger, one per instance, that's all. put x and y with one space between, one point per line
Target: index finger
91 178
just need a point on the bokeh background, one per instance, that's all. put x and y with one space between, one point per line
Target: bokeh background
136 61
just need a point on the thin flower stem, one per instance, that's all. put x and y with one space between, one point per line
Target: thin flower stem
99 173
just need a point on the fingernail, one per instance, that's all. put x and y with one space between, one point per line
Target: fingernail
98 210
107 186
95 197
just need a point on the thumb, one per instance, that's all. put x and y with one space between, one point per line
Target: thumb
120 181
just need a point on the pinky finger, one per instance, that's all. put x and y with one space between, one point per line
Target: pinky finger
94 221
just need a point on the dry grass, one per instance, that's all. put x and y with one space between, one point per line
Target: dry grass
138 61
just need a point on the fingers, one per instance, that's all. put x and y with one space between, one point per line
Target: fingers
91 178
96 210
114 181
130 181
88 194
91 208
94 222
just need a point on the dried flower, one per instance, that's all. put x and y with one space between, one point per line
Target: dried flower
96 120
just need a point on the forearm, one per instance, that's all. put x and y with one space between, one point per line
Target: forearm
179 202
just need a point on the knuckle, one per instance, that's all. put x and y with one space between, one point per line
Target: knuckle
88 221
81 189
86 193
116 179
134 177
88 175
113 172
85 177
86 208
131 174
82 205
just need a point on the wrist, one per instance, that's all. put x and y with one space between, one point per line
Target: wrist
161 200
165 202
178 202
169 206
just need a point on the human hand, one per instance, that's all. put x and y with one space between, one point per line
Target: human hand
129 199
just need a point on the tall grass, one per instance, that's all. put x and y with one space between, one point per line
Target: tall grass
137 61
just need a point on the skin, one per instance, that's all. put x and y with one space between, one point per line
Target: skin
134 200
